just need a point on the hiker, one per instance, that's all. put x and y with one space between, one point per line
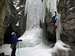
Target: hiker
13 41
54 22
54 19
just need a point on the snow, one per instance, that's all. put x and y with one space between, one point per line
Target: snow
17 24
60 49
6 49
31 37
32 44
33 52
17 8
41 49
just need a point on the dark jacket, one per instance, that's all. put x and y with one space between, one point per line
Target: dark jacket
13 39
54 19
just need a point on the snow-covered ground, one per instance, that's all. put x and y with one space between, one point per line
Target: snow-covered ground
32 45
6 49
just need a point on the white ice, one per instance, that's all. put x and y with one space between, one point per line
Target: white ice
35 13
52 6
32 40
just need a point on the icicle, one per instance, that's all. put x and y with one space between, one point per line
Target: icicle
51 6
35 12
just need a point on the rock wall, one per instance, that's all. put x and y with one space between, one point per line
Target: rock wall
67 10
2 16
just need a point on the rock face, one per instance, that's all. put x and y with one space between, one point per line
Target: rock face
2 15
66 9
68 22
67 19
69 15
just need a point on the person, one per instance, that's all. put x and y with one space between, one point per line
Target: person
54 19
13 41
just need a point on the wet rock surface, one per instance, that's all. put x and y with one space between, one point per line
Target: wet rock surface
68 24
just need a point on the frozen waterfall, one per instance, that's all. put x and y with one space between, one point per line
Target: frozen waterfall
32 40
52 6
35 12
